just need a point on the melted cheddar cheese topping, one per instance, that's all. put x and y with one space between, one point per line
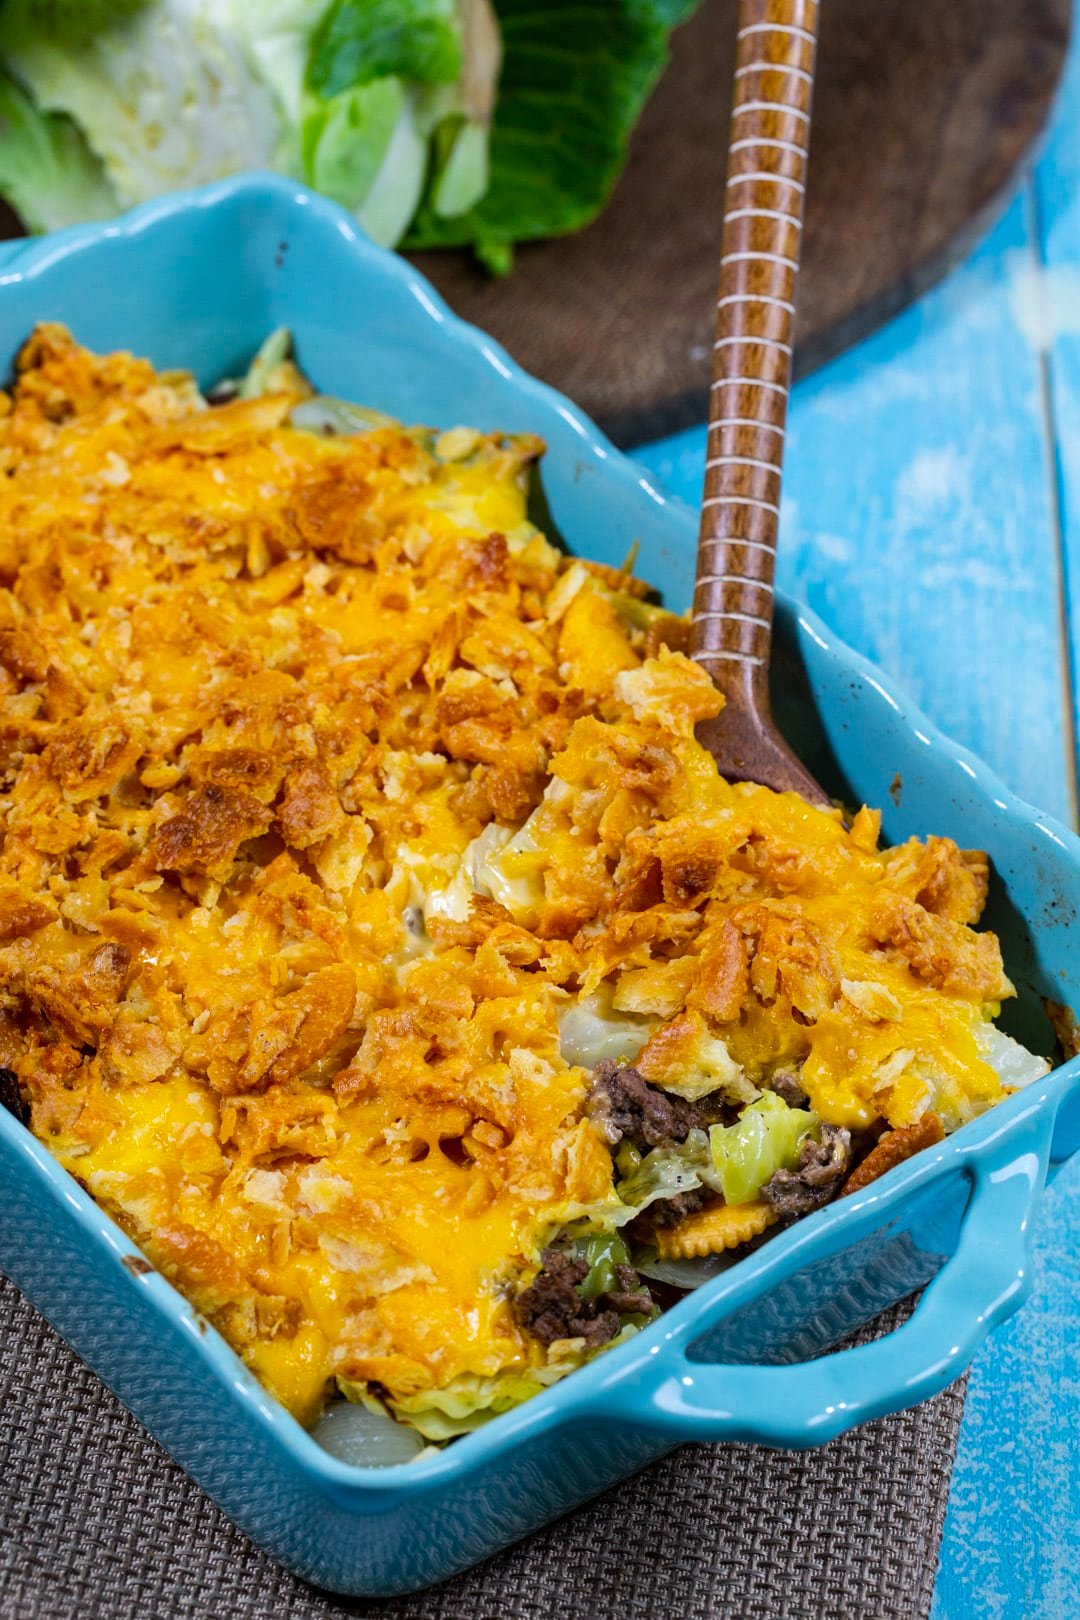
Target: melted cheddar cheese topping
344 821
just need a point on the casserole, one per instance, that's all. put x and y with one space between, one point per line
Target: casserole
378 945
261 255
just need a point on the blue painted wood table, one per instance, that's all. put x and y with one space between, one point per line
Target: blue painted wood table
932 517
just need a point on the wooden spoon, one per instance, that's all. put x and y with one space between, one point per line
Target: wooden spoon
755 317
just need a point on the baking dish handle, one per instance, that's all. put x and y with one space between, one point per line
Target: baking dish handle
983 1281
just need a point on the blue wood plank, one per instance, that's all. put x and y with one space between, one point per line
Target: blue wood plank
1046 301
920 521
1012 1536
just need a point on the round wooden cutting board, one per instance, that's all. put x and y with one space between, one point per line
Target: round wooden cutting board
924 109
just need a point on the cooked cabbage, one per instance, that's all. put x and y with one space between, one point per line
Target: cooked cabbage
1013 1063
323 413
713 1069
665 1172
766 1137
469 1401
603 1252
590 1031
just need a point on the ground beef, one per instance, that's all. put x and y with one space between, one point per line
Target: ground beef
551 1307
625 1107
788 1087
631 1297
822 1168
670 1211
11 1097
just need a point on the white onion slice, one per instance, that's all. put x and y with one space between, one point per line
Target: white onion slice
687 1273
366 1439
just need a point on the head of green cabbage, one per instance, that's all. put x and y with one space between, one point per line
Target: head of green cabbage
476 123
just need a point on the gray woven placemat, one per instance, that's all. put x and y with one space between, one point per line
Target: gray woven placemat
96 1522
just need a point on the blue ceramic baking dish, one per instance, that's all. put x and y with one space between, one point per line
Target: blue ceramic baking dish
200 279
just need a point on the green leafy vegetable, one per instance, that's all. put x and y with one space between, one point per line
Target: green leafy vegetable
469 1400
361 40
391 202
590 1030
69 20
165 97
322 413
273 351
463 176
665 1172
456 122
47 171
345 140
603 1253
765 1138
576 75
627 1159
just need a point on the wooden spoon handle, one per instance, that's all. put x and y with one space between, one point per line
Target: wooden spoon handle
755 317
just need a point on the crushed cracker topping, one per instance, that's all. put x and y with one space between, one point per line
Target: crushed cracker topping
330 786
